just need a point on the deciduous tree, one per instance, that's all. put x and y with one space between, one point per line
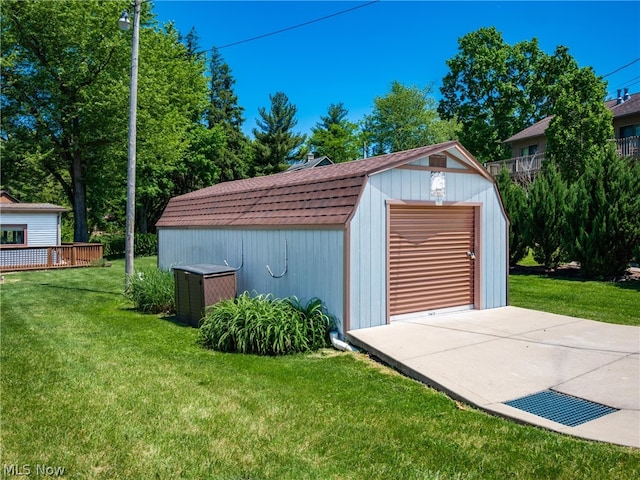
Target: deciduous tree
406 118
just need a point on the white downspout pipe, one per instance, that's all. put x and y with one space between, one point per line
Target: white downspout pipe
339 344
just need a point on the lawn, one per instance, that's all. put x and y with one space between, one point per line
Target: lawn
89 385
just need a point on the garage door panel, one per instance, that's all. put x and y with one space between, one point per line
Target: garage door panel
428 263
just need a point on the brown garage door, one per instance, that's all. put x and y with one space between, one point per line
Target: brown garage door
429 264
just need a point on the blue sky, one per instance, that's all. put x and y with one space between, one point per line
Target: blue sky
353 57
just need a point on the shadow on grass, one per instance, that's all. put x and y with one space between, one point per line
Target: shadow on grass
174 319
81 289
573 274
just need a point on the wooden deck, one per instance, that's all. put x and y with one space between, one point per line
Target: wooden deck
526 167
72 255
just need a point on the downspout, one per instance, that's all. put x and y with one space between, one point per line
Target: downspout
339 344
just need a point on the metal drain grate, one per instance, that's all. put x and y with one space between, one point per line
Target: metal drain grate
561 408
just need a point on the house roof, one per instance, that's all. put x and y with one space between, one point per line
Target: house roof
314 162
312 196
30 207
10 204
628 107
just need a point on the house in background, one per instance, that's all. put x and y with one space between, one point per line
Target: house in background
377 239
529 145
311 162
30 237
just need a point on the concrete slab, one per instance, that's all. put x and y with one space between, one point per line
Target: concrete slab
614 384
487 357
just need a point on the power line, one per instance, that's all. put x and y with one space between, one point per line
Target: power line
622 67
293 27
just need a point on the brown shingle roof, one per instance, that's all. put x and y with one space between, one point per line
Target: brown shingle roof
316 196
629 107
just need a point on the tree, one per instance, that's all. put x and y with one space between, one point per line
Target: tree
514 200
487 90
545 221
581 126
604 214
275 143
335 136
224 112
65 91
57 68
406 118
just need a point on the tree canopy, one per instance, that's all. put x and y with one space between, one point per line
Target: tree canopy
405 118
335 136
488 90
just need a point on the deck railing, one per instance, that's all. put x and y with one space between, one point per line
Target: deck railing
528 165
628 147
15 258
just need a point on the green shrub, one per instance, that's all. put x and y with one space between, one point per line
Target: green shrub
144 245
152 291
265 325
514 199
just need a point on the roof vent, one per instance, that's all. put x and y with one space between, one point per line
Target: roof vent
310 156
626 95
620 99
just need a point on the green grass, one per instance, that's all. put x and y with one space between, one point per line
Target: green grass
603 301
93 386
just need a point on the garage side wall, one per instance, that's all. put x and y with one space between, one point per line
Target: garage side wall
314 259
368 237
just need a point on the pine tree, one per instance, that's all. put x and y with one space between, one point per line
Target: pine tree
334 136
275 143
514 200
546 216
225 114
604 219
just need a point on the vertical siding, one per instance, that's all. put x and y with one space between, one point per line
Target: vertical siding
42 228
368 237
315 259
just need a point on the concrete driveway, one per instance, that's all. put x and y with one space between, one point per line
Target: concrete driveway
489 357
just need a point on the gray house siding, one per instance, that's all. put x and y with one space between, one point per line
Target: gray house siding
368 237
314 259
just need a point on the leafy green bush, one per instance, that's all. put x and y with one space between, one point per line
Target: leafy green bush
152 291
144 245
265 325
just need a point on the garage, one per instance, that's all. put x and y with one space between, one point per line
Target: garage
421 230
431 258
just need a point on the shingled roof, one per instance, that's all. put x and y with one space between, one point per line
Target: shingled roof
316 196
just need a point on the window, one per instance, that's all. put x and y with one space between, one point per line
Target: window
629 131
438 161
13 234
530 150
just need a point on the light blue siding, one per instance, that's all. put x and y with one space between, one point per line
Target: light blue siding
368 267
42 228
314 259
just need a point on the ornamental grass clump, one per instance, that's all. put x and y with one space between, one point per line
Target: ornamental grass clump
152 291
265 325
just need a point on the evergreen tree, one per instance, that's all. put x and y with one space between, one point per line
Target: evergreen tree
545 221
604 219
275 143
226 114
514 200
335 136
